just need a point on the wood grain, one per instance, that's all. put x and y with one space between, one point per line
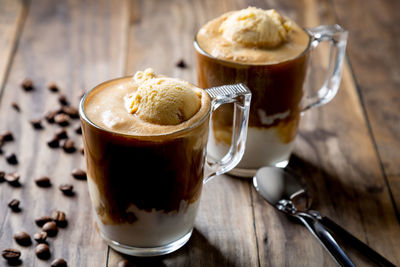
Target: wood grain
77 45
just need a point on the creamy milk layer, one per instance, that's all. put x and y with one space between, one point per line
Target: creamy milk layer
146 104
253 36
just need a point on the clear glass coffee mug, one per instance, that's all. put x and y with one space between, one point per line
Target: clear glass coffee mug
146 189
278 99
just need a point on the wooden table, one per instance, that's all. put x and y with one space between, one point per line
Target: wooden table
349 150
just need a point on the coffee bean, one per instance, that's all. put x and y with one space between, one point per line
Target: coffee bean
59 263
63 100
50 116
53 87
40 237
71 111
69 146
53 143
16 106
79 174
11 254
59 218
62 119
43 220
43 181
7 136
78 129
82 150
23 239
61 134
50 228
181 64
14 205
12 159
67 189
36 124
27 85
124 263
42 251
2 174
12 178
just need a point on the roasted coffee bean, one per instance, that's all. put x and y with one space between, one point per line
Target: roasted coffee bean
7 136
22 239
63 100
36 124
82 150
50 116
43 220
124 263
62 119
67 189
16 106
43 181
11 254
69 146
12 159
53 87
27 85
40 237
12 178
50 228
78 129
79 174
59 263
181 64
14 205
42 251
61 134
59 218
2 175
71 111
53 143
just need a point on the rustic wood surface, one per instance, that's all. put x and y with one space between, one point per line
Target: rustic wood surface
348 150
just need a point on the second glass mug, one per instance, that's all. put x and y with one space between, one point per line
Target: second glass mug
146 189
278 99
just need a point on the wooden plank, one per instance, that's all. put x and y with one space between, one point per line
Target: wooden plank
374 55
77 45
162 33
12 15
334 151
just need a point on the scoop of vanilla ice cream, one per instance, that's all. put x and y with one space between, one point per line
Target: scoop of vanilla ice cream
163 100
255 27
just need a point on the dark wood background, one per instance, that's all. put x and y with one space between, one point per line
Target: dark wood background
349 150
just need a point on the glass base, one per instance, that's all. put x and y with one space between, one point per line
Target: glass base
249 173
148 251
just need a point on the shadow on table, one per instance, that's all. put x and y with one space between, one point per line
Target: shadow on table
197 252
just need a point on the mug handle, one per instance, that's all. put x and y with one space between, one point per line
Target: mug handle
337 36
240 95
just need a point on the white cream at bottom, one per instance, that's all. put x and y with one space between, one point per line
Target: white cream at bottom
263 147
152 228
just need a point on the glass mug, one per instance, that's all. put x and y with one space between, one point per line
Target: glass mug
146 189
278 99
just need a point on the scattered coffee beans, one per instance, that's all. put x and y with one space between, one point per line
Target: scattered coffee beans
69 146
53 143
71 111
63 100
53 87
59 263
79 174
22 239
78 129
67 189
181 64
7 136
12 159
11 254
42 251
43 181
14 205
40 237
27 85
59 218
36 124
49 117
61 134
16 106
50 228
43 220
12 178
62 119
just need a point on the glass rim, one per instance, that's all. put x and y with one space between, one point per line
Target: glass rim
127 135
204 53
